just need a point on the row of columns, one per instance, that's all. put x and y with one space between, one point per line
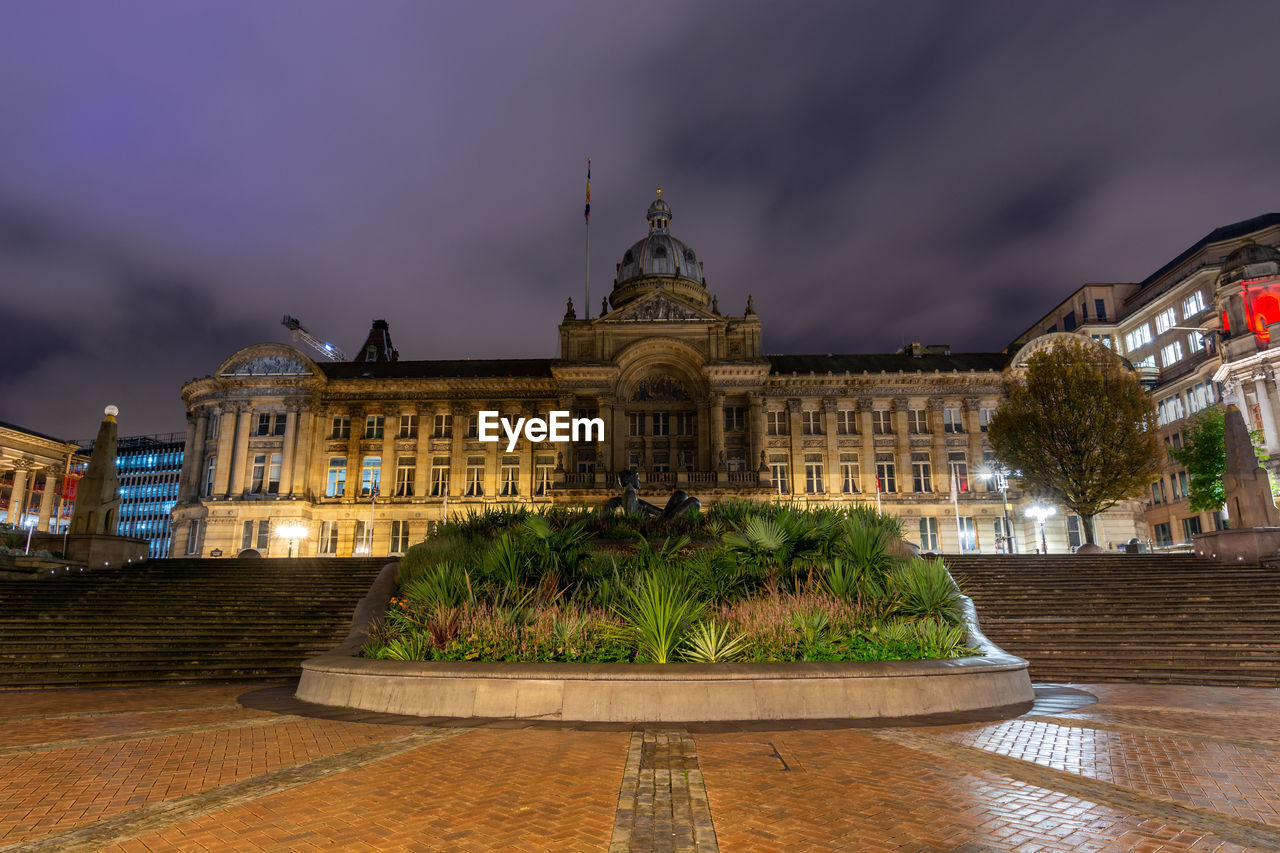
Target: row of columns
18 496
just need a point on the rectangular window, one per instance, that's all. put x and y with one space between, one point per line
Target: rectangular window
886 473
1164 535
586 460
264 536
1195 342
929 535
953 420
409 425
544 467
1171 354
635 423
1190 527
259 473
686 423
917 421
968 535
246 536
443 427
810 422
399 537
1100 309
735 419
1166 320
475 477
439 476
264 424
1193 305
881 422
405 470
211 429
210 472
1182 483
849 474
194 530
510 487
370 476
661 463
958 465
362 544
776 423
336 485
661 423
846 422
273 475
341 427
778 473
280 423
814 484
1139 337
328 543
921 472
473 425
1069 322
373 425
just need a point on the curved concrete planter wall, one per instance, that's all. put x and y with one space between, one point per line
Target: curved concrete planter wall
660 693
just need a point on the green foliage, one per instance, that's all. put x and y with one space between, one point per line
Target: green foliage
708 642
443 586
925 590
1078 425
657 614
1204 455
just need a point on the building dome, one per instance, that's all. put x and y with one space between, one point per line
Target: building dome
1250 260
658 257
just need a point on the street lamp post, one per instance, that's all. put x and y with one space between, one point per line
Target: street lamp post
1001 480
1040 513
292 532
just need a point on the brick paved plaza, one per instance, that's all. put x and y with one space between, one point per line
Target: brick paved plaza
247 767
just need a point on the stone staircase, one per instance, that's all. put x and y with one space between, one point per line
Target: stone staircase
1172 619
177 621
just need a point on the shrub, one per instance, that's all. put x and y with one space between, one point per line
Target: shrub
925 590
657 614
708 642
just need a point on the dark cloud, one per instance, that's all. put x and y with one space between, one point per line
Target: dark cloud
179 176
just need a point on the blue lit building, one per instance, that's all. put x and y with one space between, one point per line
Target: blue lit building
148 467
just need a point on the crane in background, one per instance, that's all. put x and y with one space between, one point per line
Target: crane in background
299 331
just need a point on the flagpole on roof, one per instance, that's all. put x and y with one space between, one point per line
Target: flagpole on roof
586 288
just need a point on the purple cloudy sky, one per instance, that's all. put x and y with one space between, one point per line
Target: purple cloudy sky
176 176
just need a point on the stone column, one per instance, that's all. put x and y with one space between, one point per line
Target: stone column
716 414
194 453
240 451
618 438
187 486
354 456
939 450
457 451
287 452
755 429
972 406
493 453
422 451
18 497
528 454
50 477
867 453
304 454
834 484
902 445
1268 416
794 406
390 428
226 442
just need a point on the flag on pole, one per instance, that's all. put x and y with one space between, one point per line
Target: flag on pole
878 490
373 495
587 213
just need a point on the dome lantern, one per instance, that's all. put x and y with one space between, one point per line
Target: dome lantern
660 261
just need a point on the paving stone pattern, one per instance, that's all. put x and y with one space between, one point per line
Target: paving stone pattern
1144 768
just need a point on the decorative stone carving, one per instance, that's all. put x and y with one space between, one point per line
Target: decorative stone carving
268 365
659 308
659 389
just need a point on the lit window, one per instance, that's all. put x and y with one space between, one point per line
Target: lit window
336 484
399 537
929 534
273 475
813 479
1166 320
778 473
958 465
370 475
405 469
1195 342
1171 354
543 472
849 474
439 476
921 472
1140 336
952 420
510 486
259 473
210 471
886 473
1193 305
475 477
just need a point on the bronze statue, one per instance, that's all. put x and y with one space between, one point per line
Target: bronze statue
679 503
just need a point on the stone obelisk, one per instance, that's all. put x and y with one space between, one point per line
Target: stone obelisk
97 509
1248 491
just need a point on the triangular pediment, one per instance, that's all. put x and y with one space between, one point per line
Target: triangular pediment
658 307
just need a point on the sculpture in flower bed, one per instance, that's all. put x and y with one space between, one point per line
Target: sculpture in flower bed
742 582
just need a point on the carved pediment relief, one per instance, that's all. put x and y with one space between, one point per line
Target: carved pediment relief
267 365
659 308
659 389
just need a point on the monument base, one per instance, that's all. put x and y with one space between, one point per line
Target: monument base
93 550
1246 546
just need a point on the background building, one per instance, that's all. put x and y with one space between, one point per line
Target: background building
1198 329
148 467
364 456
33 469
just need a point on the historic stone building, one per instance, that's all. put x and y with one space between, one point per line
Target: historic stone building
32 468
365 456
1199 329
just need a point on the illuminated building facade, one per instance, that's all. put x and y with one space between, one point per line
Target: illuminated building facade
148 467
33 473
1199 329
365 456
